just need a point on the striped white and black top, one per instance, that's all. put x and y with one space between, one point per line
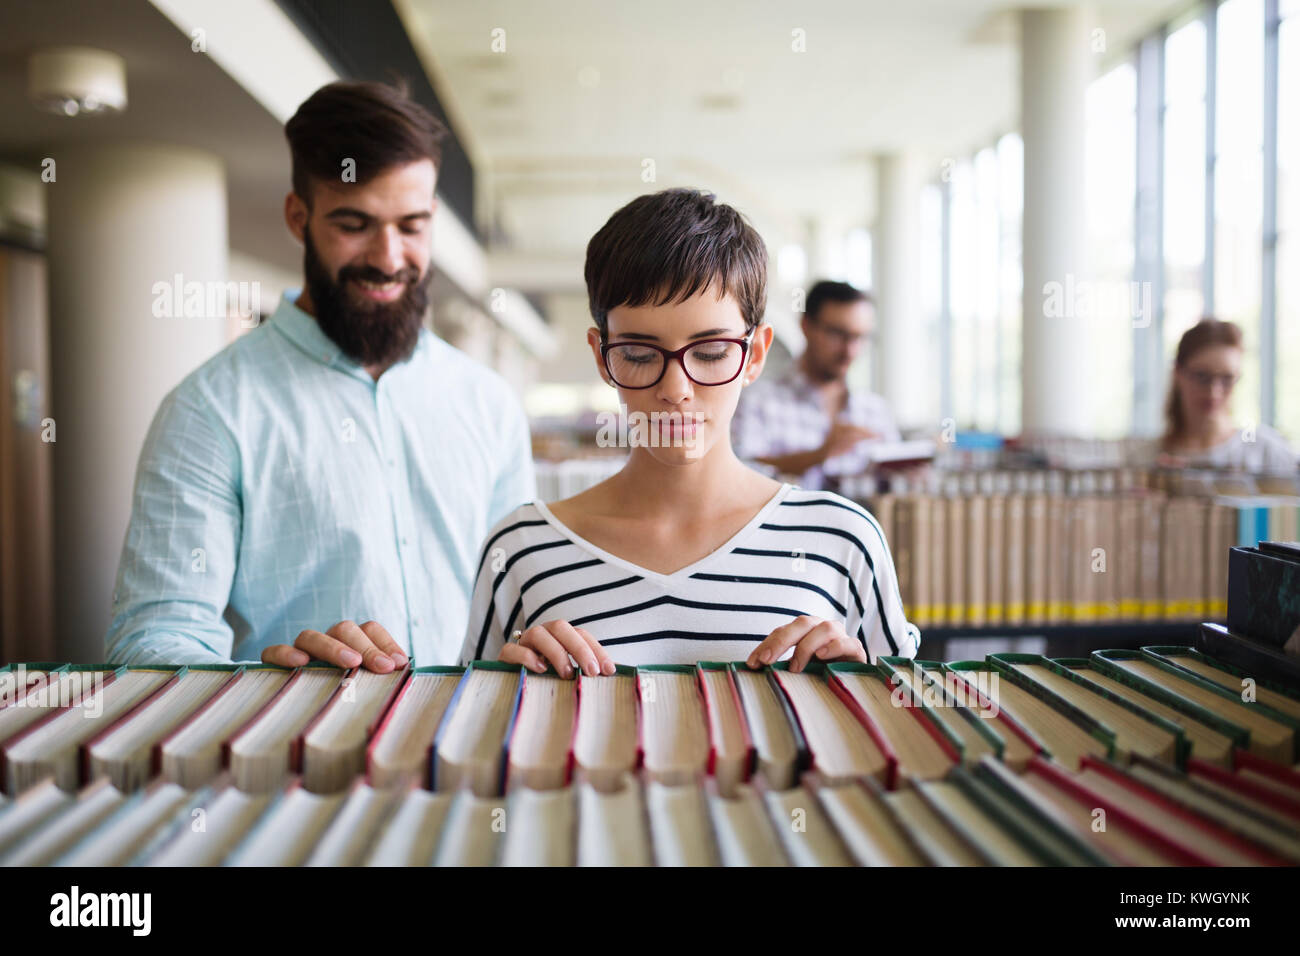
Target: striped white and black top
805 552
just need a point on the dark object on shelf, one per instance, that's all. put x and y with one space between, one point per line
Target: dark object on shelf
1263 595
1062 640
1249 655
1282 549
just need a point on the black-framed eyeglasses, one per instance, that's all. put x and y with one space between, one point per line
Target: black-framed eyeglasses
1207 380
840 335
706 362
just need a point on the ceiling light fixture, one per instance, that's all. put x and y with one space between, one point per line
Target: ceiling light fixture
77 81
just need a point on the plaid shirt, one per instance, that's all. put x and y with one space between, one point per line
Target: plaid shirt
786 415
282 488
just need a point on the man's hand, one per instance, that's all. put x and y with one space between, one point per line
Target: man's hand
810 637
556 641
917 474
844 436
346 644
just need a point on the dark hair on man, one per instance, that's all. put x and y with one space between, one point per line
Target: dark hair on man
828 291
377 125
666 247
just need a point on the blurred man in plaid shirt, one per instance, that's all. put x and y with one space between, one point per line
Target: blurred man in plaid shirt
806 422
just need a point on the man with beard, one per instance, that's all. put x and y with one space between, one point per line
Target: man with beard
807 423
340 463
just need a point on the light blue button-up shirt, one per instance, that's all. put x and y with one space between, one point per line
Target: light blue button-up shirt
281 488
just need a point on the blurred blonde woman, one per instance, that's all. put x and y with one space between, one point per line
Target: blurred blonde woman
1199 430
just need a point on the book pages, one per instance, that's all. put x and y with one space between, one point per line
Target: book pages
52 747
261 756
605 744
192 755
726 729
473 739
539 749
769 727
125 754
613 829
841 747
674 730
403 745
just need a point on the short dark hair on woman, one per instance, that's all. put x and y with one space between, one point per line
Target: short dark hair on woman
828 291
376 125
667 246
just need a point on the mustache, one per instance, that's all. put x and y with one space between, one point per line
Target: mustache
370 274
373 333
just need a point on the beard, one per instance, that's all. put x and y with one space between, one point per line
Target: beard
822 372
369 333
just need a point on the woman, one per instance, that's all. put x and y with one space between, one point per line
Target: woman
1199 430
687 553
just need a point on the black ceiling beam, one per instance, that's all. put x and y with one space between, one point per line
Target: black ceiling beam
365 40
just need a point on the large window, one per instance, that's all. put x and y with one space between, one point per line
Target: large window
963 278
1212 64
931 260
1011 201
975 226
1110 187
984 311
1287 367
984 196
1184 181
1239 185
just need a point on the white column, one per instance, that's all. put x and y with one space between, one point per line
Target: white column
814 244
906 363
121 219
1055 66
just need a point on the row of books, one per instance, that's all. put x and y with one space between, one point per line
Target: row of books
1043 559
985 814
897 720
949 480
492 728
564 479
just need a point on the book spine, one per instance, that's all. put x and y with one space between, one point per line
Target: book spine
958 613
1182 854
1014 561
873 731
939 598
994 564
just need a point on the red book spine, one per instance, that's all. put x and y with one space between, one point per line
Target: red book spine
1250 788
891 759
916 709
1191 818
1183 855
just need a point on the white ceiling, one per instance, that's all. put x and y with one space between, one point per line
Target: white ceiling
586 90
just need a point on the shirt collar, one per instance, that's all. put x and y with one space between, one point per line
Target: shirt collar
795 378
800 384
305 332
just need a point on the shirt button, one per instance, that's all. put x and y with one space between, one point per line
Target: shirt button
415 622
392 463
404 541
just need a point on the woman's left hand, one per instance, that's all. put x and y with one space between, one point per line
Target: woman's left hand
810 637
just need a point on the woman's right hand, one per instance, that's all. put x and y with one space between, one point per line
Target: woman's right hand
555 642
